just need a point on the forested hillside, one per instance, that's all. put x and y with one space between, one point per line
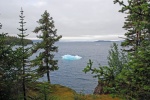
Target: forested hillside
16 40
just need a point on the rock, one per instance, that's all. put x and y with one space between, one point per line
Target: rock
99 88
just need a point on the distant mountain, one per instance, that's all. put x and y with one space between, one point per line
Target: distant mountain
108 40
102 41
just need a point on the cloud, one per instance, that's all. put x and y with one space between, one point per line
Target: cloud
39 4
73 18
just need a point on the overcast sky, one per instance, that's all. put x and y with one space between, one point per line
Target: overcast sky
74 19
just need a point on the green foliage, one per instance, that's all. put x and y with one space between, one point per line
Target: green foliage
9 71
107 74
45 60
9 75
23 54
80 96
4 68
137 22
44 90
133 83
116 59
15 73
129 77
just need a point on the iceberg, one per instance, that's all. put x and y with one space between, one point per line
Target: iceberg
71 57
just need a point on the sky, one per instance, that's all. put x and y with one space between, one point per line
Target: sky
75 20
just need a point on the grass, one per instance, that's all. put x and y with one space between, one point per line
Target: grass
94 97
58 92
62 92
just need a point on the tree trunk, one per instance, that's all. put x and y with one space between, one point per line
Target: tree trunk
23 82
99 88
48 75
48 72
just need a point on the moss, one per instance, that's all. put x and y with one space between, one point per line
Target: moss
58 92
94 97
62 92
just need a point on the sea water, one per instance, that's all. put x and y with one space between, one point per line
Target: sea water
70 72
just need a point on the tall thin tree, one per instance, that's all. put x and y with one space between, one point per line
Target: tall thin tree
45 60
23 56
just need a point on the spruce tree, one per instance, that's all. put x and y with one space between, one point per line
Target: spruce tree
6 78
45 60
5 93
134 83
137 22
107 75
8 70
23 52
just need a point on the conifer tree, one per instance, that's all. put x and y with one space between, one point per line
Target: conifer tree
45 60
134 83
23 52
8 63
137 22
5 67
107 75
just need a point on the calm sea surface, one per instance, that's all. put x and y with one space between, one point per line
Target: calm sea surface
70 73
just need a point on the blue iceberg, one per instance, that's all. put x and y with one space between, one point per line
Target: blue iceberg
71 57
